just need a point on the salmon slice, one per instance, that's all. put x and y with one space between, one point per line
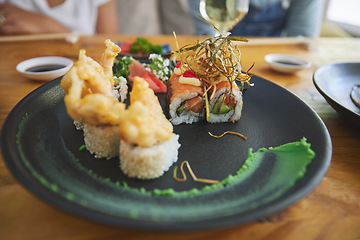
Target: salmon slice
195 104
178 88
230 101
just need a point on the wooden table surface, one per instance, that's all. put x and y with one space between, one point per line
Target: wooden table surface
331 211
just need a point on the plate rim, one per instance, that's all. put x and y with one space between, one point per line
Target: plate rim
333 102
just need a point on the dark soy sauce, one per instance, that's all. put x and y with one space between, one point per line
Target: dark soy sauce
45 68
288 63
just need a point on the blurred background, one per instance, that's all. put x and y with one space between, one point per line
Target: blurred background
340 18
287 18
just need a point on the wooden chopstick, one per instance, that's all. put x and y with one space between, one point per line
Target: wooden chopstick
38 37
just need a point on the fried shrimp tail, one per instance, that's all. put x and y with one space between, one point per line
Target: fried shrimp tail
108 58
88 88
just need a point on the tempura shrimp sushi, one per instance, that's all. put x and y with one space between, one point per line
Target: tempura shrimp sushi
103 140
93 103
148 146
225 103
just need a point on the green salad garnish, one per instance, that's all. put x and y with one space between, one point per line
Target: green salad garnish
161 67
145 47
121 66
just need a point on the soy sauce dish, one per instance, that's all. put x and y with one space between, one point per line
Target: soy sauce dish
44 68
286 63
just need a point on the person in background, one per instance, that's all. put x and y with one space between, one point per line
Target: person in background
19 17
151 17
271 18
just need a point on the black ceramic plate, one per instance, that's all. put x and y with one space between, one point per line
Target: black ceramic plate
40 146
334 82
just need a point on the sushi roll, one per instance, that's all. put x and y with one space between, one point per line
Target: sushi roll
148 162
216 64
185 97
102 140
120 88
92 101
225 103
148 146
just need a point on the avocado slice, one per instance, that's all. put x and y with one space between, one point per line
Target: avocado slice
224 109
181 108
220 107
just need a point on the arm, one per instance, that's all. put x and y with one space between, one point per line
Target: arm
107 18
304 18
19 21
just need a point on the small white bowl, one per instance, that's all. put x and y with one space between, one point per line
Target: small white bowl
286 63
44 68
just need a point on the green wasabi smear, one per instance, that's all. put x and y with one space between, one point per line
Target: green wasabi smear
50 185
292 159
82 147
35 174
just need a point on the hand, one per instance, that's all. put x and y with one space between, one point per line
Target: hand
16 21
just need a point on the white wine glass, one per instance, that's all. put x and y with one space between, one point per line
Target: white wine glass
224 14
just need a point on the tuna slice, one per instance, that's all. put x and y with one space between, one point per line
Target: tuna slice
137 69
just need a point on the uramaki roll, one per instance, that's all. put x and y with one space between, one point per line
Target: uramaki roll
225 104
102 140
185 101
148 146
148 162
92 99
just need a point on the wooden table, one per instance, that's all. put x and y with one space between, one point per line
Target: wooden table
331 211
